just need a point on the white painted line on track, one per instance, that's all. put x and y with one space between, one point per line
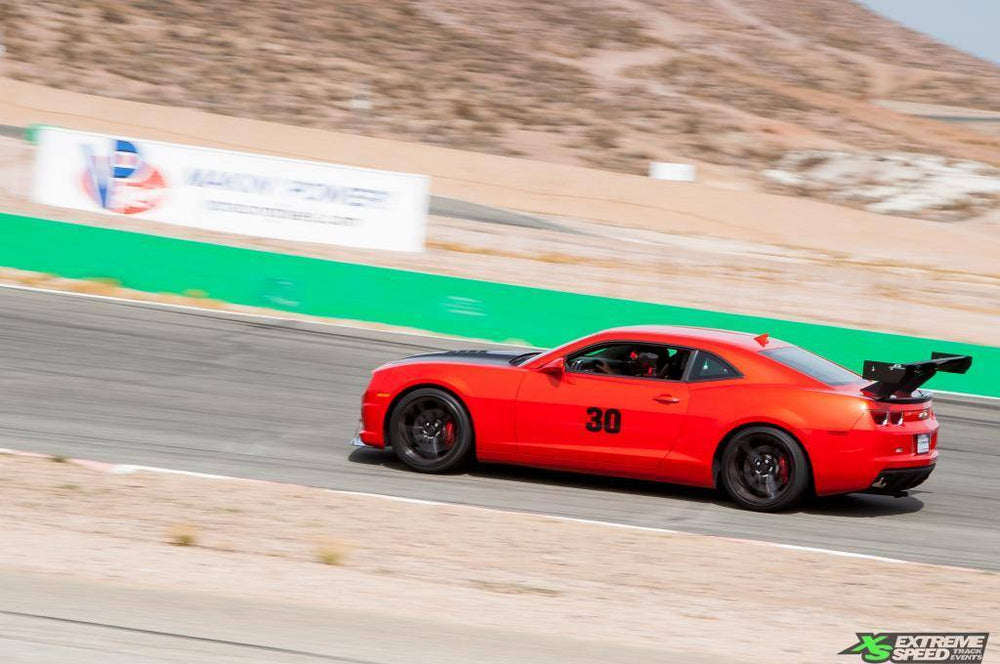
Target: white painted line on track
967 395
356 325
648 529
128 469
353 325
568 519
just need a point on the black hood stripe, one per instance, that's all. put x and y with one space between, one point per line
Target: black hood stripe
468 356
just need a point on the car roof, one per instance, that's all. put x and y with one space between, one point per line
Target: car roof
697 336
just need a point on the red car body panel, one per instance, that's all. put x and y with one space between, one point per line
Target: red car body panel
673 430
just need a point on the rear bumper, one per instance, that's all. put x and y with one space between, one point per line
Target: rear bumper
854 461
894 480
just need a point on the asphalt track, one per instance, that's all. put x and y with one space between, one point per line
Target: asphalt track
262 398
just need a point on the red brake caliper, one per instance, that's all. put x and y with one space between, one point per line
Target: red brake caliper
783 469
449 434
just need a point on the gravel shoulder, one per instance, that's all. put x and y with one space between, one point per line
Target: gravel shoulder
466 567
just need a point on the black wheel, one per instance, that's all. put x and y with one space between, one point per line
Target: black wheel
430 431
764 469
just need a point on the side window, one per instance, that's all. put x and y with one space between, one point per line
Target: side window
636 360
608 359
712 367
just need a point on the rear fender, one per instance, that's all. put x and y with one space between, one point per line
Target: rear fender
716 411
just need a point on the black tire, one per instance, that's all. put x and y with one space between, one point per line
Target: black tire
430 431
764 469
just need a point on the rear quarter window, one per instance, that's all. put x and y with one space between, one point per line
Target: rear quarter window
712 367
812 365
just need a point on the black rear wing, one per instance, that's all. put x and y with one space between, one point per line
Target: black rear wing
900 380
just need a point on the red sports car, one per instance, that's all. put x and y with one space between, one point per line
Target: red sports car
764 419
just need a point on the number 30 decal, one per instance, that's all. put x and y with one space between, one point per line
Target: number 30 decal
609 420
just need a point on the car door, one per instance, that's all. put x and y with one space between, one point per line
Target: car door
604 418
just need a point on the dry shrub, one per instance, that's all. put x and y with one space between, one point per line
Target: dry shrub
464 110
112 15
332 552
183 534
605 137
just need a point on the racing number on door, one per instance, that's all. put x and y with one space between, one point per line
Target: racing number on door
609 420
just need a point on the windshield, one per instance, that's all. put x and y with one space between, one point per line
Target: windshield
812 365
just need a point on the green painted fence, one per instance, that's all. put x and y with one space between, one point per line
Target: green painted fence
449 305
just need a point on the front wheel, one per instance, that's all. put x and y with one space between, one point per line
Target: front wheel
431 431
764 469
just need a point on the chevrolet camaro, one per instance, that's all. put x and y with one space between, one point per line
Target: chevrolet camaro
765 420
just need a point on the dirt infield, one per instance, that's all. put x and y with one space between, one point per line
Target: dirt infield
470 566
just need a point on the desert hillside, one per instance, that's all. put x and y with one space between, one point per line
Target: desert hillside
605 83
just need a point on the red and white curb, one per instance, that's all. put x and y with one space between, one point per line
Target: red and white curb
128 469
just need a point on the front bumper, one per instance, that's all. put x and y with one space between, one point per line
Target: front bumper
363 438
896 480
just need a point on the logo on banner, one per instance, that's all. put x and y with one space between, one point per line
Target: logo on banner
120 179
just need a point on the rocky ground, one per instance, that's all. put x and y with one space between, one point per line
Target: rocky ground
906 184
611 84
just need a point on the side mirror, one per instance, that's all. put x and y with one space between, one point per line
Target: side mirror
556 367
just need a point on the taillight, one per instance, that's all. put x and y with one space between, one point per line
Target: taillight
886 418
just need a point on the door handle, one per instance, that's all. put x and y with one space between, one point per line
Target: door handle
666 398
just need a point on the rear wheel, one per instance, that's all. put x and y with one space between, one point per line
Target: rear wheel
431 431
764 469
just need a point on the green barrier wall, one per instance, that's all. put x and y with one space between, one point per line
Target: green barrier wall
448 305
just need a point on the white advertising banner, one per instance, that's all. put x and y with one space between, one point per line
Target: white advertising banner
233 192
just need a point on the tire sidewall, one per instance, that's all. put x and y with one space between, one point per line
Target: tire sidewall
461 450
801 473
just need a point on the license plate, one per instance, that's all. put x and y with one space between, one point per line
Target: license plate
923 443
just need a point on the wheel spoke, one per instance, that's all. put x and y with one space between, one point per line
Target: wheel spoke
747 447
427 429
770 486
760 469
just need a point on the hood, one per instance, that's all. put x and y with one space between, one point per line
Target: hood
498 357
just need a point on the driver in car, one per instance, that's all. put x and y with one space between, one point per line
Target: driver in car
643 364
